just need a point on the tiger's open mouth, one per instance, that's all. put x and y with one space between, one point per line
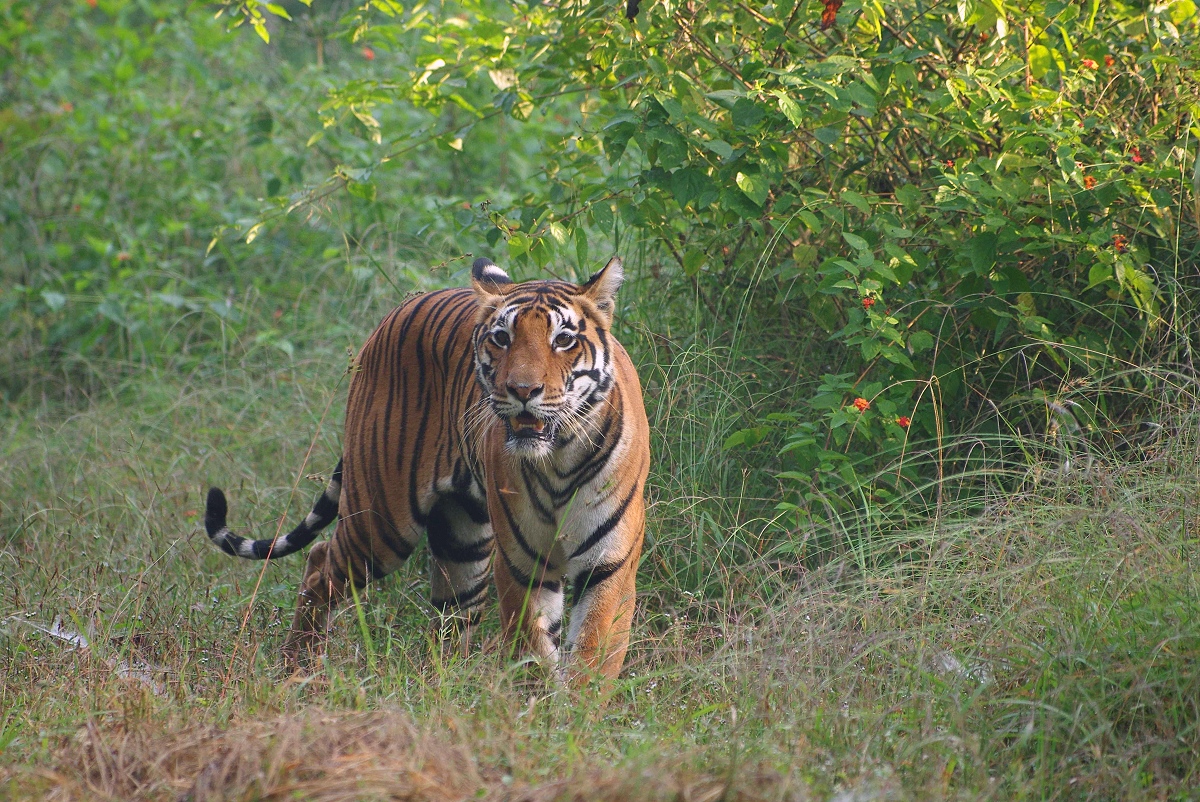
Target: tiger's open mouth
528 426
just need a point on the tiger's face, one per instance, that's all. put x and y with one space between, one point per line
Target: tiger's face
542 353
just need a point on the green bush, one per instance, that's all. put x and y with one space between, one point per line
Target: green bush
936 240
132 131
983 209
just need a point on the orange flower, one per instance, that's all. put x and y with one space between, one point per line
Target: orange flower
829 14
862 404
123 256
1136 155
368 54
868 303
1089 182
1120 243
949 163
903 421
1109 61
91 3
1090 64
67 106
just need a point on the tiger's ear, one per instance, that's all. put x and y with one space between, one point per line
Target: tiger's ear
487 280
602 287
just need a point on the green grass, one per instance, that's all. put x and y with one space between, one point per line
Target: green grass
1046 648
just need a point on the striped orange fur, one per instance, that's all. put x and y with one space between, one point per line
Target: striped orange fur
506 423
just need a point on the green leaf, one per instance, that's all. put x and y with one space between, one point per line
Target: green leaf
581 244
827 136
518 244
920 341
755 187
982 251
362 189
1181 11
260 28
719 147
1040 61
1066 159
558 232
856 200
745 437
602 216
790 108
746 113
1099 273
856 242
909 196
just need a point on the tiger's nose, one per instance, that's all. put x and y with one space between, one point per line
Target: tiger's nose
525 391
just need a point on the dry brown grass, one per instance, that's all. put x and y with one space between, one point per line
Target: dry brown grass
329 757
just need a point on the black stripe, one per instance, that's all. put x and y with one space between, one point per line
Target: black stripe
525 580
514 527
326 509
609 524
463 599
445 546
595 576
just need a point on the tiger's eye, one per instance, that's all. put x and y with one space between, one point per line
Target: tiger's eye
564 340
501 338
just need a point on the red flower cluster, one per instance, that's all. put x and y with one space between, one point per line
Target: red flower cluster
1136 155
1089 182
868 303
903 421
1109 61
862 404
368 54
1089 63
1120 243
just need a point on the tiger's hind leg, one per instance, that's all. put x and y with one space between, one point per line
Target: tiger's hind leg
460 547
331 568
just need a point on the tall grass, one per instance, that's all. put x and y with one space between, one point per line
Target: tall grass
1039 638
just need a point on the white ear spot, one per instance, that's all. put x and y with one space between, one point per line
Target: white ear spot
485 271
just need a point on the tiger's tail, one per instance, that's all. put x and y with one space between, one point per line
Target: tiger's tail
324 512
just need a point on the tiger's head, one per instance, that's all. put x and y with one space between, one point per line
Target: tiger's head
542 352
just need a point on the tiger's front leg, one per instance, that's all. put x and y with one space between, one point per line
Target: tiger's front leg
531 600
603 596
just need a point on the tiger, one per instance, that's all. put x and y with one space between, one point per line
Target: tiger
506 423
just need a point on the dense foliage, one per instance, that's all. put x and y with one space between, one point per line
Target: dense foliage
978 205
954 219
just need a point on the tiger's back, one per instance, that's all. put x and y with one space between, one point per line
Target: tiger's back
409 465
